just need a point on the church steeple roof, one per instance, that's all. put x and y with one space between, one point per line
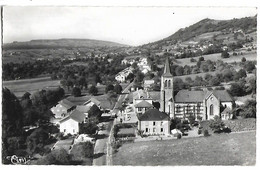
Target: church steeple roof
167 71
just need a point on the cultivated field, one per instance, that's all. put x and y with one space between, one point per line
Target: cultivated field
250 56
19 87
223 149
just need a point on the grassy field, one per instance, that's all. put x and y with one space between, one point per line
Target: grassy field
19 87
214 57
223 149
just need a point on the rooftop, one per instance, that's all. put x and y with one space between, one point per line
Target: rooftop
144 104
75 115
154 115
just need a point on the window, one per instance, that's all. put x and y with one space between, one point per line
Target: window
161 123
169 83
178 109
154 130
198 108
139 109
161 129
73 130
64 130
154 123
165 83
146 123
146 129
211 110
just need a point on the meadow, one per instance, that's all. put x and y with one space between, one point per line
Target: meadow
222 149
19 87
250 56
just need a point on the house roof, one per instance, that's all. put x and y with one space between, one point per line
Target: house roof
167 71
153 115
83 108
144 104
94 100
66 103
226 111
75 115
155 95
189 96
105 102
222 95
198 96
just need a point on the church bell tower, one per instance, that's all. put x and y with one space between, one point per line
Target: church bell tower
167 97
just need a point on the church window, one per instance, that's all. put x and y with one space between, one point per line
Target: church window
165 83
169 83
211 110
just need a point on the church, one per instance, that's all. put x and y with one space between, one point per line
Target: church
205 104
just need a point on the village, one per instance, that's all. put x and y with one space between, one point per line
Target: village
186 99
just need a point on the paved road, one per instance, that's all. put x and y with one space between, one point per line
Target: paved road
100 149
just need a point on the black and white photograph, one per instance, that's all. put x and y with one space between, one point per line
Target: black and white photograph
129 85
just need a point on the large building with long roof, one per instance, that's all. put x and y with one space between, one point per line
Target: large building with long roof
205 104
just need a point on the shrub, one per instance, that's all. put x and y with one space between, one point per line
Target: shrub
87 149
56 157
217 125
199 131
178 136
206 133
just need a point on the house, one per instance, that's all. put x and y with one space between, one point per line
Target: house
154 122
70 123
142 106
122 75
62 108
91 102
148 84
83 109
205 104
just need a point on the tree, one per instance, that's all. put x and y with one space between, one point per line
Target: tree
76 92
249 109
225 54
118 89
11 114
214 81
179 71
93 90
249 66
243 60
90 127
187 70
56 157
240 74
109 87
38 138
88 150
237 89
94 112
217 125
201 58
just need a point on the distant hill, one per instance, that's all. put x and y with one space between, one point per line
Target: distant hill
247 25
61 43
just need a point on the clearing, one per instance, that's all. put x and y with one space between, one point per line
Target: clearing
19 87
222 149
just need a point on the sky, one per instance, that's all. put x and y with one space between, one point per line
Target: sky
125 25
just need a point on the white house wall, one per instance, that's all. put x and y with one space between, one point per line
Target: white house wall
69 126
149 128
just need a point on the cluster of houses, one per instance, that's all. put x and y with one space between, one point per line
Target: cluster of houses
69 115
142 63
122 75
